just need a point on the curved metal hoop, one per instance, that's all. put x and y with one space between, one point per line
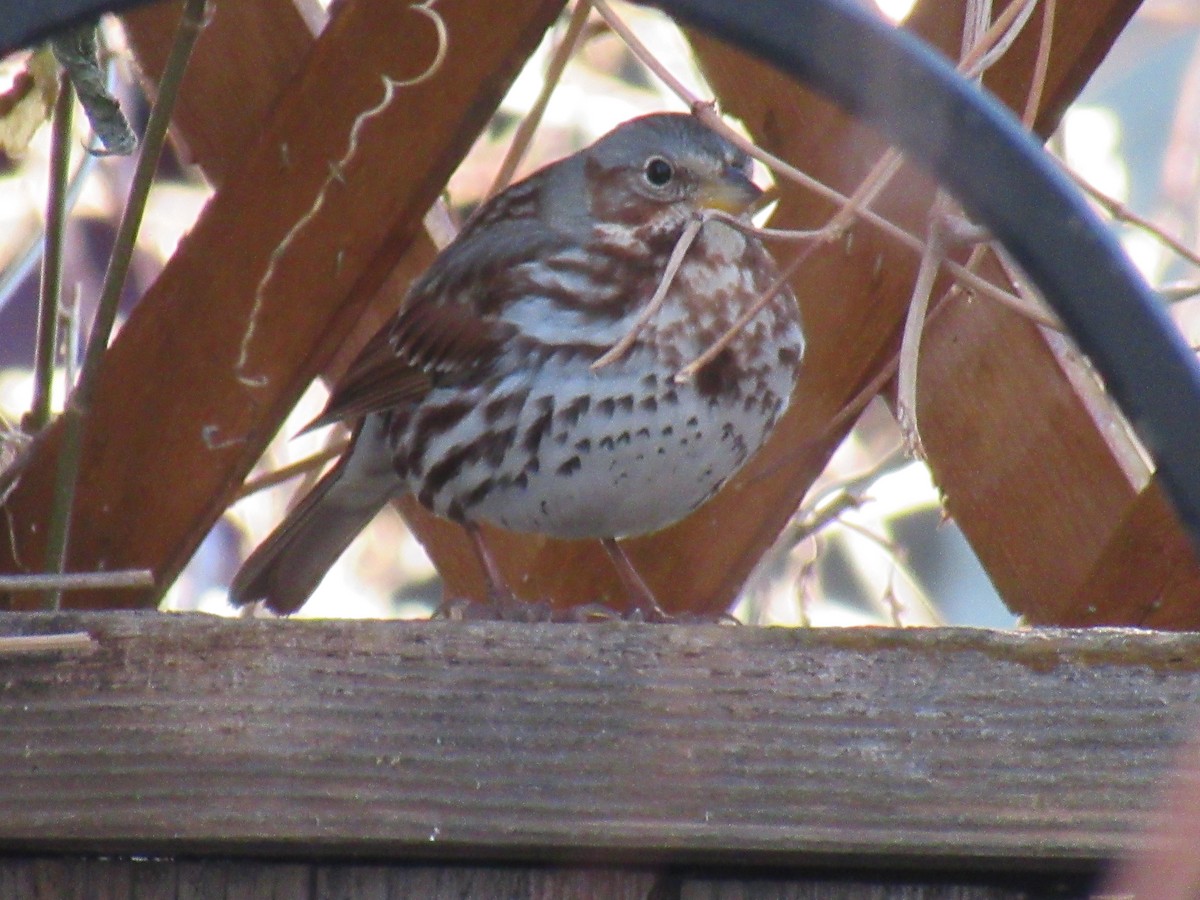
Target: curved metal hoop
978 151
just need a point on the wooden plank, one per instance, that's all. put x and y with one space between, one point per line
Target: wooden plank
246 54
628 743
213 356
858 888
1146 574
452 882
159 879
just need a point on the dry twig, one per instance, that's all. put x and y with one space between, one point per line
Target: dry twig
621 347
78 408
78 581
1122 213
292 470
28 644
849 207
559 58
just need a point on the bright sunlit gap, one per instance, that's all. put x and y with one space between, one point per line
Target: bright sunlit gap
896 10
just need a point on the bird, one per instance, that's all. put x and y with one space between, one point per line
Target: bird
495 393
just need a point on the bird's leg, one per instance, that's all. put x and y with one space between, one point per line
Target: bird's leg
498 590
502 603
639 592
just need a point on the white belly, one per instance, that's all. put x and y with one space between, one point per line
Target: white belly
638 459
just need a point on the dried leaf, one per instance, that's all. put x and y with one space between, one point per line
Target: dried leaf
27 104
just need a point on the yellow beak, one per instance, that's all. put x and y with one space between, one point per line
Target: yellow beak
732 193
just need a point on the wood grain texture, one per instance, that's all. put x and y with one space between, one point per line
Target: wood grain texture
634 744
121 879
860 887
246 56
243 58
1146 575
180 415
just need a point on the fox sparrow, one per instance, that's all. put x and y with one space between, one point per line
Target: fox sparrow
481 397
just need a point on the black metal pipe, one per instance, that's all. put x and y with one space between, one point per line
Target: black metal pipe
23 22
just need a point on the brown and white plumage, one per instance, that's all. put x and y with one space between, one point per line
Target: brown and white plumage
480 397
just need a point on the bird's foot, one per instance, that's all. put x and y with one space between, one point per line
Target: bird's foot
495 609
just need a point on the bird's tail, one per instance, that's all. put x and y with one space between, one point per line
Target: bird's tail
287 567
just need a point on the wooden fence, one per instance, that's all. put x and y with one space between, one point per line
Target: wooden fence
272 752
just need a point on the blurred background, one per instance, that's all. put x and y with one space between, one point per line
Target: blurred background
871 544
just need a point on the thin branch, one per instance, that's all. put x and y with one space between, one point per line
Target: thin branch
290 471
1122 213
688 372
972 65
70 642
914 326
78 581
562 54
853 408
839 497
70 329
57 536
777 234
22 262
51 286
77 51
996 40
621 347
807 580
1041 66
705 111
822 515
676 260
1179 291
898 566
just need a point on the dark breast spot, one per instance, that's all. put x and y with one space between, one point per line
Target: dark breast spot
719 377
496 445
475 496
571 466
499 408
446 469
538 428
572 411
436 420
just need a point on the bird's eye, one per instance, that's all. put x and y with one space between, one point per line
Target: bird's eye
658 171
